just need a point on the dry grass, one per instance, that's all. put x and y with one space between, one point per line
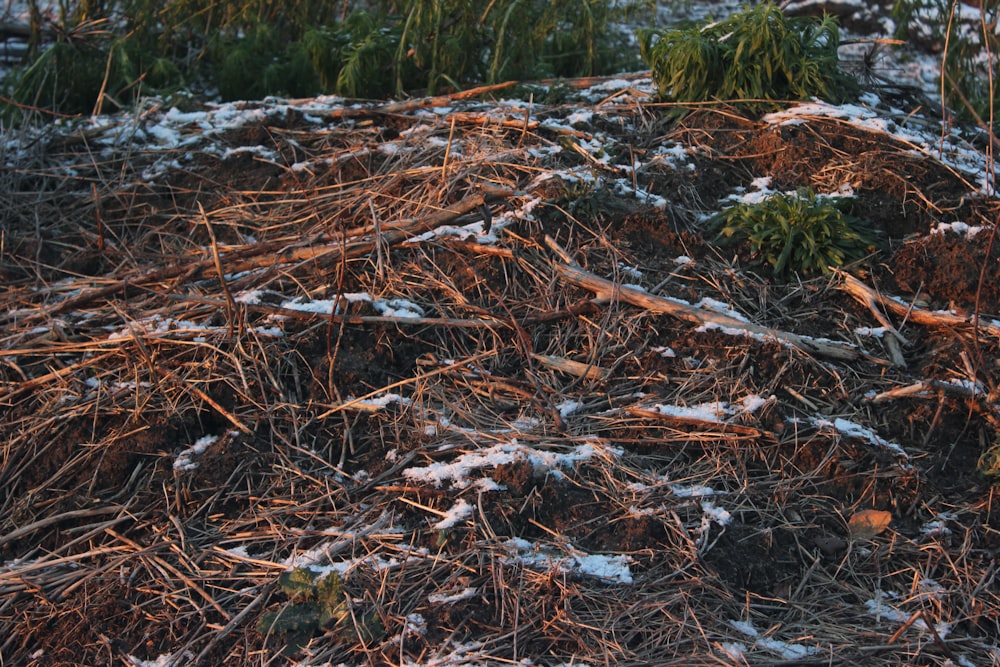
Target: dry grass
122 347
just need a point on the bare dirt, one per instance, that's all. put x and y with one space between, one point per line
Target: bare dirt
112 551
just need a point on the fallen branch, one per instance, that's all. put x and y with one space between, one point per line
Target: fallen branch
570 367
606 289
420 103
931 389
868 296
313 316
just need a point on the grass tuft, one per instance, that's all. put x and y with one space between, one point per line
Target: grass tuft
802 233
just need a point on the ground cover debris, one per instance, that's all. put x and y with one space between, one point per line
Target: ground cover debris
482 362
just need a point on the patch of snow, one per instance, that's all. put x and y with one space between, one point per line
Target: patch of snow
959 228
383 400
184 460
580 117
745 627
568 407
786 650
708 303
458 513
415 624
630 271
882 610
734 651
451 655
939 526
876 332
310 559
158 326
164 660
613 569
694 491
850 429
457 471
716 514
713 411
622 186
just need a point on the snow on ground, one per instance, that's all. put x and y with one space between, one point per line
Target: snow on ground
545 463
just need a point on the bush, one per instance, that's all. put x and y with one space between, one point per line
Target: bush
756 55
260 64
80 73
303 48
802 233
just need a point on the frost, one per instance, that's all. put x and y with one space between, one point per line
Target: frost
716 514
457 472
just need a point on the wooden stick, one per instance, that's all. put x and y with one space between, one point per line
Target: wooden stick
866 295
570 367
606 289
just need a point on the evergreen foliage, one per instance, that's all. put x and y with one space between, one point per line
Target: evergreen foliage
757 55
804 233
260 47
88 66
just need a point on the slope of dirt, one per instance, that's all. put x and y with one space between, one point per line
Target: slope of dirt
393 341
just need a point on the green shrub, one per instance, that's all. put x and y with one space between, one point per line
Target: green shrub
364 52
756 55
261 47
255 48
70 74
802 233
260 63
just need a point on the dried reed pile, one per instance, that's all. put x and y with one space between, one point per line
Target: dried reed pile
400 341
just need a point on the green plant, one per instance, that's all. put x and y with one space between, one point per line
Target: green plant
315 602
260 63
365 57
803 233
87 67
757 55
260 47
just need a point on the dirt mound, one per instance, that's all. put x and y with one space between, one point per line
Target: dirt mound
488 362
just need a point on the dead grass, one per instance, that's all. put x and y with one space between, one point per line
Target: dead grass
122 347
